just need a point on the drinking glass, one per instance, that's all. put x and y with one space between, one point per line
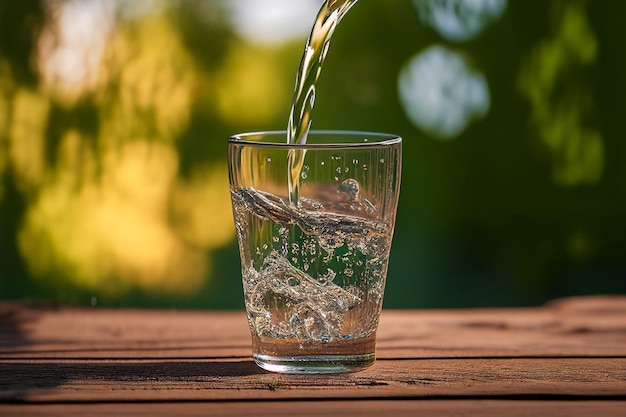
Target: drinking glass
314 225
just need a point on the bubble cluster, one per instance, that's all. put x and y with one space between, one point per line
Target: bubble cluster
304 173
320 274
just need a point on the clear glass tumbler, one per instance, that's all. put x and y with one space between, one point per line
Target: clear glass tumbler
314 224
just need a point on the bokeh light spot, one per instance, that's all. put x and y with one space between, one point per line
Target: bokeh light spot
459 20
249 87
26 138
113 233
562 120
441 94
71 45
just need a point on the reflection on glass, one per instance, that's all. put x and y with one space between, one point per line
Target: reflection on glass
441 94
559 111
459 20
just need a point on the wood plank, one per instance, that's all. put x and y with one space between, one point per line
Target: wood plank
102 333
106 380
588 327
573 348
409 408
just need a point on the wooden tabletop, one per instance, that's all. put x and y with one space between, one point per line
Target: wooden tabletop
566 358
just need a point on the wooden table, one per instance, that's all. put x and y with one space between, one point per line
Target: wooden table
567 358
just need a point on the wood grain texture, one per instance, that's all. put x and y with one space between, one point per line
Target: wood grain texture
590 327
106 381
570 351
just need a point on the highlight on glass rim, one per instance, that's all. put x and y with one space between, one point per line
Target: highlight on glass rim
114 115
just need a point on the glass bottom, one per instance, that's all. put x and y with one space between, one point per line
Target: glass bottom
319 364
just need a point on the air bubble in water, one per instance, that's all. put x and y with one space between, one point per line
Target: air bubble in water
352 188
305 172
269 159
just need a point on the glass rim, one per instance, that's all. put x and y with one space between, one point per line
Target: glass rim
382 140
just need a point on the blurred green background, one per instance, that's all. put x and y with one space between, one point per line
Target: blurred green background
115 114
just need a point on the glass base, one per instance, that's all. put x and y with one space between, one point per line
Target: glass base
320 364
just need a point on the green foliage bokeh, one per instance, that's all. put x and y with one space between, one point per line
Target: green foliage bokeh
525 205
